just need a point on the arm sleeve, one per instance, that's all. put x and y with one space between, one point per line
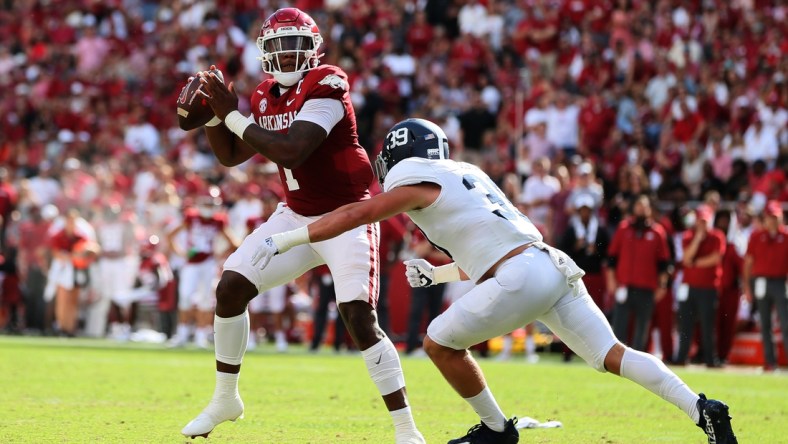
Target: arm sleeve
723 245
323 112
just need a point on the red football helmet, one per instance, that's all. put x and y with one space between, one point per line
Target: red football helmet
289 38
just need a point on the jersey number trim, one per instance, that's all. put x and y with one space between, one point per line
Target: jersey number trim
292 183
503 208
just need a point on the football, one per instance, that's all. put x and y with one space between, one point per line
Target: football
193 109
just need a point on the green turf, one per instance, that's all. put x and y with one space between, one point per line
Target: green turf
59 390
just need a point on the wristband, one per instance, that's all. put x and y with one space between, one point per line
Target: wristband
446 273
289 239
213 122
237 123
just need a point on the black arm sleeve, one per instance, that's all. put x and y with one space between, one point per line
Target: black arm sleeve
612 261
662 266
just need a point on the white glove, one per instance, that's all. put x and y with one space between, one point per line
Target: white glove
419 273
264 252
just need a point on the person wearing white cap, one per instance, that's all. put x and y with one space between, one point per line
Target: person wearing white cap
586 185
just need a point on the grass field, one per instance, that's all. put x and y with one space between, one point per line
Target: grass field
90 391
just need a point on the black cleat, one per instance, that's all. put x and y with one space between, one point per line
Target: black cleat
481 434
715 421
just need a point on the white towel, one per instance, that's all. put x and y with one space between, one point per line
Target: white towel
565 264
583 232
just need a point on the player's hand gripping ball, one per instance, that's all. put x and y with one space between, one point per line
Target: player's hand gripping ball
193 109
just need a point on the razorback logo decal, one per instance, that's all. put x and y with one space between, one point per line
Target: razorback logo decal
335 82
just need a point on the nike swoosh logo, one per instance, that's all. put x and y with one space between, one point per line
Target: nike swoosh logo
379 357
290 101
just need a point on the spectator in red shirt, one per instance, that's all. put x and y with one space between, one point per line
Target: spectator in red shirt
419 35
688 123
75 252
33 259
8 198
704 248
730 290
765 270
596 120
392 233
638 258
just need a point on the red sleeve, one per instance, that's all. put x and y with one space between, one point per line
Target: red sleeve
751 244
615 244
220 220
190 214
328 82
722 243
663 252
56 241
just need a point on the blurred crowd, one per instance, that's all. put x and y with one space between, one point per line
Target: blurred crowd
576 108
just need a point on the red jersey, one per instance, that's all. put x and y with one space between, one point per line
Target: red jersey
704 277
200 234
638 254
769 254
62 241
338 172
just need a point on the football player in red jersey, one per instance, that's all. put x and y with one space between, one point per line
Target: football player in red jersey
202 225
302 119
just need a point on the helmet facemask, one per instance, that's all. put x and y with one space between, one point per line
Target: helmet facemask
301 44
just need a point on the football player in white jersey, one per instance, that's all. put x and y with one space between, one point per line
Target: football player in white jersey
518 278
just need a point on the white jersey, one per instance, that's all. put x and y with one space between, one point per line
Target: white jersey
471 219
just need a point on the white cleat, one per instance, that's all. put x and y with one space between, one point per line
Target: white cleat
410 438
217 412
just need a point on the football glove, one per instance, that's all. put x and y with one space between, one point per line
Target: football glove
264 252
419 273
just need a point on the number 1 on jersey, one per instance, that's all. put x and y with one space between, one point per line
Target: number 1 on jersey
292 183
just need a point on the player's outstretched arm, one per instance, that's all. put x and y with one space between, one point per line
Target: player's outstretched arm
421 273
344 218
288 150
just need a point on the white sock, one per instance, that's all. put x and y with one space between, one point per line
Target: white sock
530 345
183 332
506 347
484 404
653 375
403 421
201 335
384 368
226 385
230 337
